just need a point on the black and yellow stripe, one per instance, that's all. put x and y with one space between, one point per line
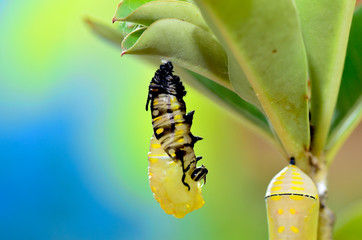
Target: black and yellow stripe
170 122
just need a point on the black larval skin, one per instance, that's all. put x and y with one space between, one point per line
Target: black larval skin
165 82
177 146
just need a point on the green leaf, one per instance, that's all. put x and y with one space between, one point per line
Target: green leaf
195 49
132 38
231 100
348 112
126 27
126 7
241 84
248 113
221 95
265 39
349 226
325 27
156 10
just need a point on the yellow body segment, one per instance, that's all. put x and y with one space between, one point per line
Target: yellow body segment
292 206
165 182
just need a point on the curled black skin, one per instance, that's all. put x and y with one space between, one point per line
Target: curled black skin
165 82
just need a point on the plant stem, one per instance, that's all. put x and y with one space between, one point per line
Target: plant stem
326 223
318 172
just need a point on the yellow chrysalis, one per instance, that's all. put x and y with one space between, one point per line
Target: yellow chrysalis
165 182
292 205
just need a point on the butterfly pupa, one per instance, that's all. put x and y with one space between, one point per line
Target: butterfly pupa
171 124
292 205
165 181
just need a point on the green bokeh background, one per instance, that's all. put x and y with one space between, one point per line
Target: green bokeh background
74 138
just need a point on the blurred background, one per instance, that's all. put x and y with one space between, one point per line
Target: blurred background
74 137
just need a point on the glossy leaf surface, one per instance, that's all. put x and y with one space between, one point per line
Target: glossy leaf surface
224 96
195 49
348 112
218 93
126 7
325 29
156 10
265 39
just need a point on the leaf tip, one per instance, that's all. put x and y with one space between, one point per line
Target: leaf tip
114 19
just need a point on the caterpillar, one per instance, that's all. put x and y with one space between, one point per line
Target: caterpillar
292 205
170 122
173 170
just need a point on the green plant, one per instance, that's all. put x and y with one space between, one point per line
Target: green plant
278 65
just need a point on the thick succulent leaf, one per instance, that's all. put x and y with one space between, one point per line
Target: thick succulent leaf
265 39
240 82
126 7
325 27
126 27
349 226
132 38
155 10
195 49
221 95
348 112
231 100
